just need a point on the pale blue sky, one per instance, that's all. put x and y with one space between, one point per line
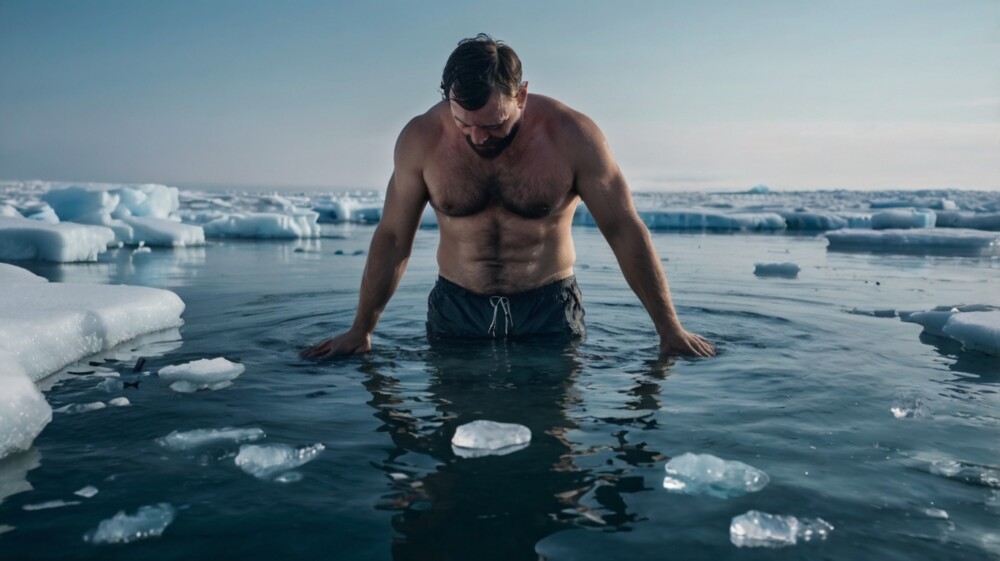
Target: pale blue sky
692 95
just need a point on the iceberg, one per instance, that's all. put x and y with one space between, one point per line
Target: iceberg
705 474
760 529
785 270
213 373
484 438
926 241
269 461
179 441
148 522
23 239
46 326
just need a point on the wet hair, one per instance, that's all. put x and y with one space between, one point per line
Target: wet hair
479 67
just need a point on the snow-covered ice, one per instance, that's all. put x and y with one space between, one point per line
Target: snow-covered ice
291 225
270 460
179 441
785 270
148 522
760 529
23 409
201 374
47 326
23 239
482 438
705 474
977 331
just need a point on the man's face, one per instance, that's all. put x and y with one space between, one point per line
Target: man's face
490 129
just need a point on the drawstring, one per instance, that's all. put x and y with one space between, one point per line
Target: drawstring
508 319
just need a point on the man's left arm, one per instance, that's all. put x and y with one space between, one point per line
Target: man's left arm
602 187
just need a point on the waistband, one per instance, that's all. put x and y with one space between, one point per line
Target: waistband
542 291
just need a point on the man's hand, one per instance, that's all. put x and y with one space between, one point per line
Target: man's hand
347 343
685 343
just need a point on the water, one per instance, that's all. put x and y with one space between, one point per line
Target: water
802 389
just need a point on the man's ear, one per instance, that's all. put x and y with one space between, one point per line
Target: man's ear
522 95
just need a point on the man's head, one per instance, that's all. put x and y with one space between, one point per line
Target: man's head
482 83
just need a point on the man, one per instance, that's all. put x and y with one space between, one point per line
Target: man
504 174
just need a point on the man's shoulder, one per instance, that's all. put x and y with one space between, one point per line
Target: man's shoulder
422 131
565 124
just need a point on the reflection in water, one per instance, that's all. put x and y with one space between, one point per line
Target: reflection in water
494 507
982 366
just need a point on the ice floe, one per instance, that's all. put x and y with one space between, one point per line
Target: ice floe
903 219
270 461
786 270
760 529
148 522
23 239
705 474
188 440
958 241
976 327
489 438
87 492
201 374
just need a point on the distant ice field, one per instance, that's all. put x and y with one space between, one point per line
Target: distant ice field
879 428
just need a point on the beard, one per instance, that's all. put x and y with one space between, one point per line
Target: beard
493 147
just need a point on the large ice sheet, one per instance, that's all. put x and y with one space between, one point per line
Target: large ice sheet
22 239
977 221
948 241
705 474
23 409
977 331
45 326
760 529
814 221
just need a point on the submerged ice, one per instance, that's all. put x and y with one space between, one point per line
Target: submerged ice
760 529
270 461
198 438
148 522
481 438
705 474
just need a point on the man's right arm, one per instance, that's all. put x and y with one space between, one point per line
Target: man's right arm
390 247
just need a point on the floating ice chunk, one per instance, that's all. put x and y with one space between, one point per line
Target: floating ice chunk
364 210
119 402
760 529
161 232
936 513
903 219
200 374
82 204
977 221
270 460
814 221
948 241
266 225
44 214
694 220
188 440
696 474
50 504
289 477
483 438
87 492
75 408
977 331
785 270
23 409
49 325
932 321
22 239
157 201
148 522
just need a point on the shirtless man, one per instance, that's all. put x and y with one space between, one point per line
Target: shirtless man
504 173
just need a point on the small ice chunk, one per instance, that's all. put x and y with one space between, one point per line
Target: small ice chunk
50 504
110 385
760 529
178 441
289 477
936 513
482 438
786 270
267 461
200 374
80 407
696 474
148 522
119 402
87 492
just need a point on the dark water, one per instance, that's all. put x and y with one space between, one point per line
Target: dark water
802 389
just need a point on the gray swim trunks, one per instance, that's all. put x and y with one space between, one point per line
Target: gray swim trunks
553 309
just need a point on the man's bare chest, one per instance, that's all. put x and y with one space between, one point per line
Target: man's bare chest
533 187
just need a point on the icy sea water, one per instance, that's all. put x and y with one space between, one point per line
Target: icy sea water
802 389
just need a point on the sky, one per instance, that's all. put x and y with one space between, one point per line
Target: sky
874 94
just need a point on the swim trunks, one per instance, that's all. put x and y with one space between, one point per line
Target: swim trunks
553 309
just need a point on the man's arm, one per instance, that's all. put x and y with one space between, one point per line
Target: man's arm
390 248
603 189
